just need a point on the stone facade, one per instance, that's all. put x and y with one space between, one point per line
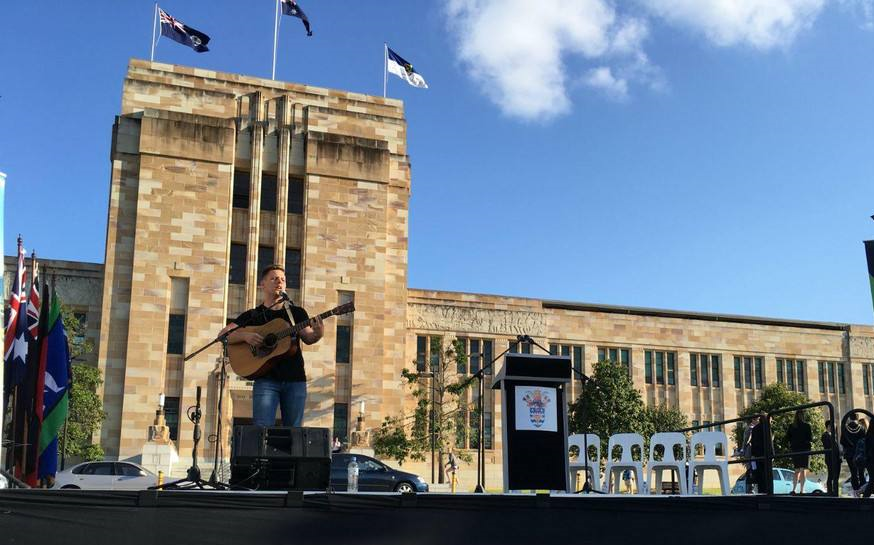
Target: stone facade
196 158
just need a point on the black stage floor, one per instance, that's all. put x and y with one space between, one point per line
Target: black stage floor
240 518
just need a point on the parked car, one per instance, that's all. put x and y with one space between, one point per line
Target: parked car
782 483
106 476
373 476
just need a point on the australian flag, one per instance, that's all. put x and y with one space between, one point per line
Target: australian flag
290 7
178 31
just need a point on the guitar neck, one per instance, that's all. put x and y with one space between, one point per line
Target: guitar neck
298 327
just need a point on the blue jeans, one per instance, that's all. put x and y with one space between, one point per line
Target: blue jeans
268 394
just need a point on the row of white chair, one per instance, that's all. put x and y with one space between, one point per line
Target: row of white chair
708 441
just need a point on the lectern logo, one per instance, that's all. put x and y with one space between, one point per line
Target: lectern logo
537 402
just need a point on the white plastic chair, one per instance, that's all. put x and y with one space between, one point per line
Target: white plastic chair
697 465
613 473
667 441
592 441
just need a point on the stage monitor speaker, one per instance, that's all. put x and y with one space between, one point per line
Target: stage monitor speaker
280 458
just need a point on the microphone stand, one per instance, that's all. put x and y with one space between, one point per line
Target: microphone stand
587 485
223 360
481 448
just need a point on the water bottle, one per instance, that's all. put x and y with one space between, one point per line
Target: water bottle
352 476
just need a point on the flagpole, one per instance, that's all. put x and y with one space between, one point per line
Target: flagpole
275 37
154 26
384 68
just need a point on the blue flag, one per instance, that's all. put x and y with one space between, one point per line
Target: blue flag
177 31
290 7
56 389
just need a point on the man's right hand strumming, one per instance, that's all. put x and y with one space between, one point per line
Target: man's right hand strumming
251 338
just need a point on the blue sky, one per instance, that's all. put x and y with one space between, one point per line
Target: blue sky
664 153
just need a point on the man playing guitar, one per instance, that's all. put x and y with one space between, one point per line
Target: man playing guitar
285 385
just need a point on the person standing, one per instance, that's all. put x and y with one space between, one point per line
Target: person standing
832 459
800 438
853 431
284 386
757 450
869 459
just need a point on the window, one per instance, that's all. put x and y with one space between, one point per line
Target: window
662 360
820 366
421 353
866 378
831 376
693 369
128 470
237 272
488 356
266 258
487 432
171 416
241 189
618 355
705 374
791 373
176 334
479 353
672 369
295 196
574 352
292 268
344 344
842 381
759 377
268 192
98 468
341 421
515 348
745 368
435 349
715 375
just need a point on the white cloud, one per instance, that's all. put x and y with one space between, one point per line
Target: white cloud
525 55
762 24
602 78
517 51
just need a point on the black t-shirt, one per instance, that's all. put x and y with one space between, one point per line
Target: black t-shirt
287 368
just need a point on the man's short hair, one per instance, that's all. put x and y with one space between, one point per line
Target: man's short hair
269 268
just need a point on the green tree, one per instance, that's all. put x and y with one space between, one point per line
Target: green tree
441 405
609 404
86 410
662 418
774 397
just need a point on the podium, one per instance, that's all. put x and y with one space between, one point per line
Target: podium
535 430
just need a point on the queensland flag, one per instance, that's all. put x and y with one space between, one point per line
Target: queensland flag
403 69
178 31
290 7
56 389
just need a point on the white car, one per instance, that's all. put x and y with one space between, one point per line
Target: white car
106 476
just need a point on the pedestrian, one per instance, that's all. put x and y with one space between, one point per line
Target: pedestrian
832 458
451 466
626 478
800 438
754 447
854 430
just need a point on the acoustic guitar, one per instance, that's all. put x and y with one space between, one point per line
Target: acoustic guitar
252 362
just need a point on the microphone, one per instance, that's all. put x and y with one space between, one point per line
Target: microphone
524 339
284 296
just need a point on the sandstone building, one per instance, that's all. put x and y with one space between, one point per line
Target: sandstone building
215 175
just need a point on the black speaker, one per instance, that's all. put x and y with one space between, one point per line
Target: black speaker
280 458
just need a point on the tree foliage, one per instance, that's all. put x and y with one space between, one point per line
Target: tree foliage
441 407
608 404
86 410
774 397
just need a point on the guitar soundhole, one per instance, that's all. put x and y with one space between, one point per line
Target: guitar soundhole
270 340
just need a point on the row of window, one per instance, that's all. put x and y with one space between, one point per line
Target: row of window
242 183
867 378
266 257
827 371
750 367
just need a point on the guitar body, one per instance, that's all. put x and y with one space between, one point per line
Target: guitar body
251 362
